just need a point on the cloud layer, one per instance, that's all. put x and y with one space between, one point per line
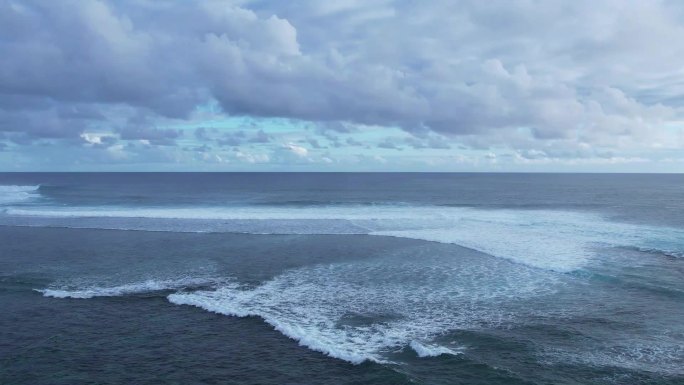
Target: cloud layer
543 80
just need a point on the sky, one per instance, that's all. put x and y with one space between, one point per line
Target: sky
345 85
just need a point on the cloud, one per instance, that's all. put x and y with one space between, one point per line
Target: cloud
353 142
202 133
337 126
239 138
156 136
251 157
290 153
428 142
261 137
95 139
313 142
529 76
46 121
297 150
389 143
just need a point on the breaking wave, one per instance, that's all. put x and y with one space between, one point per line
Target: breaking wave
554 240
16 194
365 311
432 350
148 286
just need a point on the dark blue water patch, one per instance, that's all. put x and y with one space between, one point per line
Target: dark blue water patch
460 370
638 272
638 284
149 341
63 253
657 252
516 353
23 281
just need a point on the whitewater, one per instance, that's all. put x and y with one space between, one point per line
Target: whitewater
403 277
548 239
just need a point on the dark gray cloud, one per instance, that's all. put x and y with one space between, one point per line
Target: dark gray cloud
582 73
26 126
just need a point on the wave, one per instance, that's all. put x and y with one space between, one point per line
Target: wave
670 253
432 350
371 309
561 241
148 286
361 311
17 193
353 212
663 356
365 311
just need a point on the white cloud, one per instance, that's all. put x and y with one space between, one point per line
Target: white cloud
542 79
295 149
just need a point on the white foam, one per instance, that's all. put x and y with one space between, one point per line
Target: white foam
366 310
147 286
230 213
542 239
547 239
553 240
17 193
432 350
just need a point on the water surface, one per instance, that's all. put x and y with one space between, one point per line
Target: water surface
341 278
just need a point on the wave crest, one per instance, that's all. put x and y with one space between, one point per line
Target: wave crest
148 286
432 350
553 240
18 193
366 311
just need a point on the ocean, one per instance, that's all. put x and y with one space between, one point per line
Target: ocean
341 278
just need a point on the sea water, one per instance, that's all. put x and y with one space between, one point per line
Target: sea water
342 278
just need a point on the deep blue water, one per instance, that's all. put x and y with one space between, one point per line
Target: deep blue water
296 278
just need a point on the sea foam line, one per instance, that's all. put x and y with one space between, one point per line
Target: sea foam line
554 240
148 286
432 350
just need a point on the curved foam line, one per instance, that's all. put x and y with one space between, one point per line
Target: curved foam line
431 350
291 331
15 188
554 240
148 286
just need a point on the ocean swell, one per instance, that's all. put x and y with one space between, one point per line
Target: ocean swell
560 241
10 194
